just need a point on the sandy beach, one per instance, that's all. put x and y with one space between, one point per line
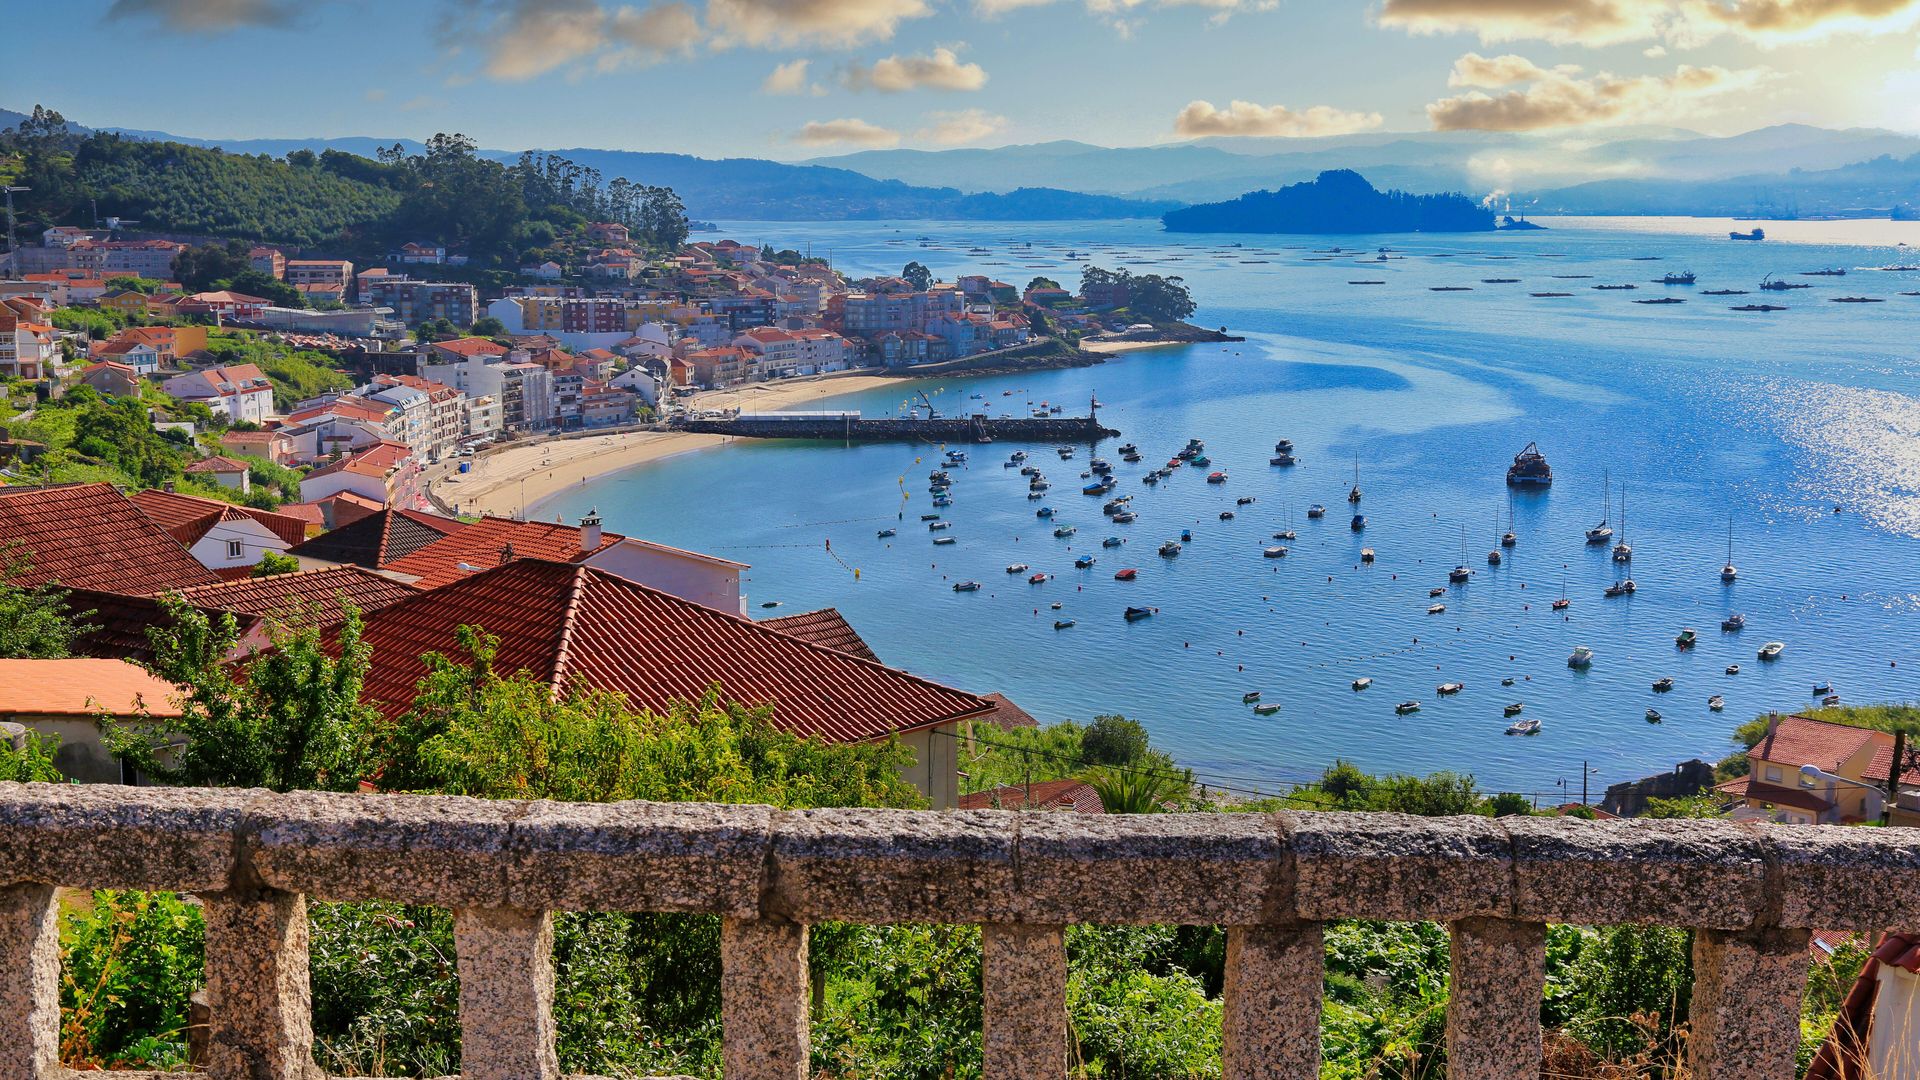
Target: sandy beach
508 482
1113 347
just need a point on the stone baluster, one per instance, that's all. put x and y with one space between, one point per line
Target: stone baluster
506 994
29 982
763 1000
260 1005
1498 981
1270 1017
1023 974
1746 1003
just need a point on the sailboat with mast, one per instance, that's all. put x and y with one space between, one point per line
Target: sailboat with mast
1623 551
1509 538
1493 554
1603 532
1729 572
1563 603
1353 495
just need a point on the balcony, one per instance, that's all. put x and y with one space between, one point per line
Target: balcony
1752 893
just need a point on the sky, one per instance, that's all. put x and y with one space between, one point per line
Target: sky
795 79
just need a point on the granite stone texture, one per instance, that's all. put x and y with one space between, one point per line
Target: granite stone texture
506 994
893 866
763 1000
1397 866
1497 985
1670 873
1746 1003
1189 869
1847 879
1270 1005
104 836
29 982
260 1005
640 856
1023 1002
418 849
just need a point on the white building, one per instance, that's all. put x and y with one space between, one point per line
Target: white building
240 392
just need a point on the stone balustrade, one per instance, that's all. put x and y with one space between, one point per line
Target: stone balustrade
1752 893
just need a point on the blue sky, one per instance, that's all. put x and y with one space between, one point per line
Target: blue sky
793 79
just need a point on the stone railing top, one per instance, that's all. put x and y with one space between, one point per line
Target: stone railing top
987 866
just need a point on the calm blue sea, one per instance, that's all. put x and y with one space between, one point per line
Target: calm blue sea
1701 414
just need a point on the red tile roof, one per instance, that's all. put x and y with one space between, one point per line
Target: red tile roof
1761 791
484 545
89 536
187 518
1800 740
382 537
83 687
309 597
576 627
217 464
826 627
1070 794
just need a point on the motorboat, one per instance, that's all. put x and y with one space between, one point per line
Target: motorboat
937 526
1216 478
1113 541
1662 685
1733 622
1135 614
929 517
1249 697
1524 727
1274 552
1459 574
944 541
1772 650
1267 709
1029 470
1822 688
887 533
1186 536
1129 448
1530 468
1316 511
1366 555
966 586
1830 700
1514 708
1582 657
1436 591
1362 683
1284 446
1653 716
1083 562
1447 688
1686 639
1114 506
942 501
1616 590
1125 517
1044 512
1018 568
1716 703
1169 549
1036 494
1508 681
1283 460
1064 531
1037 579
1406 707
1358 523
1126 575
1733 669
1436 609
1062 624
1226 515
1244 500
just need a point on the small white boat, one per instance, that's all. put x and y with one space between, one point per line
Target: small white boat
1772 650
1582 657
1266 710
1524 727
1436 609
1362 683
966 586
1017 568
1446 688
1406 707
1716 703
1275 552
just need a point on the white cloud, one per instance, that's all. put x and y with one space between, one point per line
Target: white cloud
1654 52
207 16
1246 118
1558 97
938 70
374 94
524 39
957 128
789 80
1676 22
794 23
848 131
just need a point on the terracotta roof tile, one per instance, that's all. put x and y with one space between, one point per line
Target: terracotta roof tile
310 597
825 627
89 536
1070 794
381 537
1800 740
484 545
83 687
187 518
574 626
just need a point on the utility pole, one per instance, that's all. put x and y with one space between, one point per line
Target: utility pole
1893 775
12 244
1583 782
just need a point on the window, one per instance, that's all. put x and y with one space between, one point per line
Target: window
234 550
1773 772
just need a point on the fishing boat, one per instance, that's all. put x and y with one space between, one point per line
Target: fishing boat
1216 478
1366 555
1113 541
1083 562
1038 484
1036 494
1436 609
1030 471
1186 536
1662 685
1044 512
1447 688
1099 466
944 541
1830 700
1772 650
1135 614
1733 669
1653 716
1582 657
1733 623
1832 271
1773 284
1098 488
937 526
1267 709
1284 446
1723 292
1283 460
1150 478
1226 515
1759 307
938 476
1316 511
1514 708
1275 552
1524 727
1620 588
1406 707
1362 683
1018 568
1065 452
1064 531
1603 532
1684 278
1663 300
1201 461
1126 575
1169 549
1037 579
1459 575
1125 517
1623 551
929 517
1822 688
966 586
1249 697
1436 591
1729 572
1128 448
1130 457
1508 681
1716 703
1757 234
1358 523
885 534
1062 624
1244 500
1686 639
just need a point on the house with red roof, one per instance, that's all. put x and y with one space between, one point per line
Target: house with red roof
109 377
225 304
240 392
63 701
223 536
224 471
1776 787
1070 795
575 627
89 536
374 472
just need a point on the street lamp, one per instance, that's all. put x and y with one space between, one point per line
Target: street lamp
1810 774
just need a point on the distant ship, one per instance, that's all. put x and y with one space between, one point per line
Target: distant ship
1530 469
1757 234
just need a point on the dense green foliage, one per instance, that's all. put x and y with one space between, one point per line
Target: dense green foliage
1150 297
91 436
297 374
128 963
34 621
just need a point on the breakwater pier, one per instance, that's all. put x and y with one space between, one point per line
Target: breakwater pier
852 427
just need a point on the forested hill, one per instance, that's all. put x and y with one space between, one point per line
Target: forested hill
1338 201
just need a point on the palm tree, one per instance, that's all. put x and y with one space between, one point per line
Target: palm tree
1136 791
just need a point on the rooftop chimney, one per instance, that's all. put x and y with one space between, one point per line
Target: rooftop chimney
167 486
590 531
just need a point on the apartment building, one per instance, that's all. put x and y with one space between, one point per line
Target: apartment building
415 302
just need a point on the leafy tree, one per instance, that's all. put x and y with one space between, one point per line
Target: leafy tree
129 961
1125 790
1159 299
1348 786
1437 795
31 762
917 276
1113 740
488 327
34 621
437 329
267 287
273 563
1508 804
138 284
1041 283
293 721
1692 806
205 266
